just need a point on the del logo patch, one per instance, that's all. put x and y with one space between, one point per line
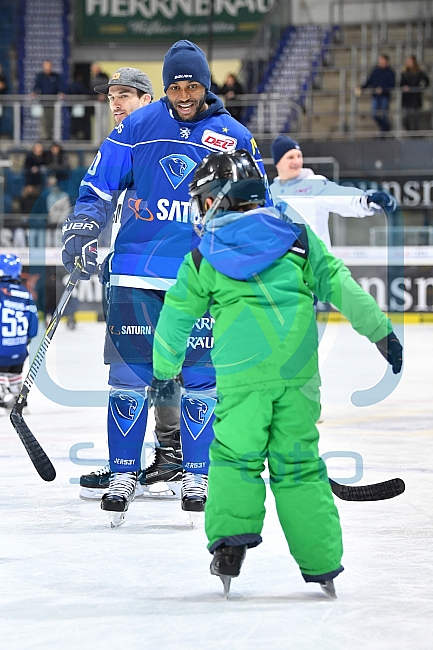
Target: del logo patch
218 141
125 409
177 167
196 413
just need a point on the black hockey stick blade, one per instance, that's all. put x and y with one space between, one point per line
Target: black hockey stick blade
39 458
375 492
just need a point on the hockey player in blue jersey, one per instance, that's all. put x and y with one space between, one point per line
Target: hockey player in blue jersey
154 151
19 324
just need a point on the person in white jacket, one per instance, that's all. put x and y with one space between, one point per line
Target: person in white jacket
308 198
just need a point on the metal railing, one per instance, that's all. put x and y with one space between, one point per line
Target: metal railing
24 107
411 235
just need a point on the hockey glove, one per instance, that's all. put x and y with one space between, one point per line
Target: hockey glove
80 239
380 200
390 348
162 390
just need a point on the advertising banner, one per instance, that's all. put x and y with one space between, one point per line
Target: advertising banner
138 21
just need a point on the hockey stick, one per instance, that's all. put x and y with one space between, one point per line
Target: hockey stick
40 460
375 492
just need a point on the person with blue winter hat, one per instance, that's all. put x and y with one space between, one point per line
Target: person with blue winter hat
153 152
309 198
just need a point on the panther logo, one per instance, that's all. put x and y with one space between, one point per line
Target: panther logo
196 409
126 406
177 166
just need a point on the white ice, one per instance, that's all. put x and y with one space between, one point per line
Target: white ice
70 582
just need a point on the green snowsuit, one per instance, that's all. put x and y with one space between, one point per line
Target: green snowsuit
258 277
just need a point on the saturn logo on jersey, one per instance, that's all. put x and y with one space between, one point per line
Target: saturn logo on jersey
177 167
196 413
125 409
134 204
218 142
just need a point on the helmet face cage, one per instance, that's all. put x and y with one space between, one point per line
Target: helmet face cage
231 180
10 267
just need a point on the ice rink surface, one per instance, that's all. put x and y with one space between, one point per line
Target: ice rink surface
70 582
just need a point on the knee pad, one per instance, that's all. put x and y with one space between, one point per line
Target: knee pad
196 432
127 419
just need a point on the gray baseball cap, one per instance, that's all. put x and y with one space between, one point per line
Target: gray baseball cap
132 77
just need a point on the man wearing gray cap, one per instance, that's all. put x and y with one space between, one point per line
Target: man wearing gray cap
128 90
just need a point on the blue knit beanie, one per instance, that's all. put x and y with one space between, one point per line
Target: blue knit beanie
281 145
185 61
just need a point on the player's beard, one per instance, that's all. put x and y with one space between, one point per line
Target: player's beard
200 105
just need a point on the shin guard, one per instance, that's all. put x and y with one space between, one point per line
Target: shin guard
196 432
127 419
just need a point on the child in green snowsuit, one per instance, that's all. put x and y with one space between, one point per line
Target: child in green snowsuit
258 275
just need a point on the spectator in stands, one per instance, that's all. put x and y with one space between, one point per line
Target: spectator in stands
231 91
47 82
35 165
3 82
57 162
80 115
97 77
3 90
58 202
382 80
214 88
413 81
29 195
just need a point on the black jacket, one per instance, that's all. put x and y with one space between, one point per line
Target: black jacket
415 80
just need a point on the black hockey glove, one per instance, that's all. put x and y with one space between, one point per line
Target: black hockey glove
80 239
162 390
390 348
380 200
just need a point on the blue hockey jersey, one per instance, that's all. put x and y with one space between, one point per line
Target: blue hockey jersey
19 322
154 155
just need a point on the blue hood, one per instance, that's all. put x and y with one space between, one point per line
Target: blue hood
242 244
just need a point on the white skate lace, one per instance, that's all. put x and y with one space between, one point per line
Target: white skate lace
122 484
103 471
194 485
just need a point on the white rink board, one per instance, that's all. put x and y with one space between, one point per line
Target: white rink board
70 582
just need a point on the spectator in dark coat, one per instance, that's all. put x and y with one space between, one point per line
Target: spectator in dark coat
382 80
35 165
80 115
231 91
57 162
48 82
413 81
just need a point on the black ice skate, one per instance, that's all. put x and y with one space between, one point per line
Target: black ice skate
226 564
194 495
94 485
328 588
119 495
160 480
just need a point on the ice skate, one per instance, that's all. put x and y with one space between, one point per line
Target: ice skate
159 480
226 564
120 493
193 496
328 588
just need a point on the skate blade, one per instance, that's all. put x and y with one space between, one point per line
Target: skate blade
328 588
196 519
226 580
93 494
161 491
116 519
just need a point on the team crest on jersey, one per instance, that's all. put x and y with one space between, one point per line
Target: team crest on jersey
196 413
185 132
125 409
177 167
218 141
119 127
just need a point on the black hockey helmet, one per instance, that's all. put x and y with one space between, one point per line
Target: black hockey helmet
231 179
